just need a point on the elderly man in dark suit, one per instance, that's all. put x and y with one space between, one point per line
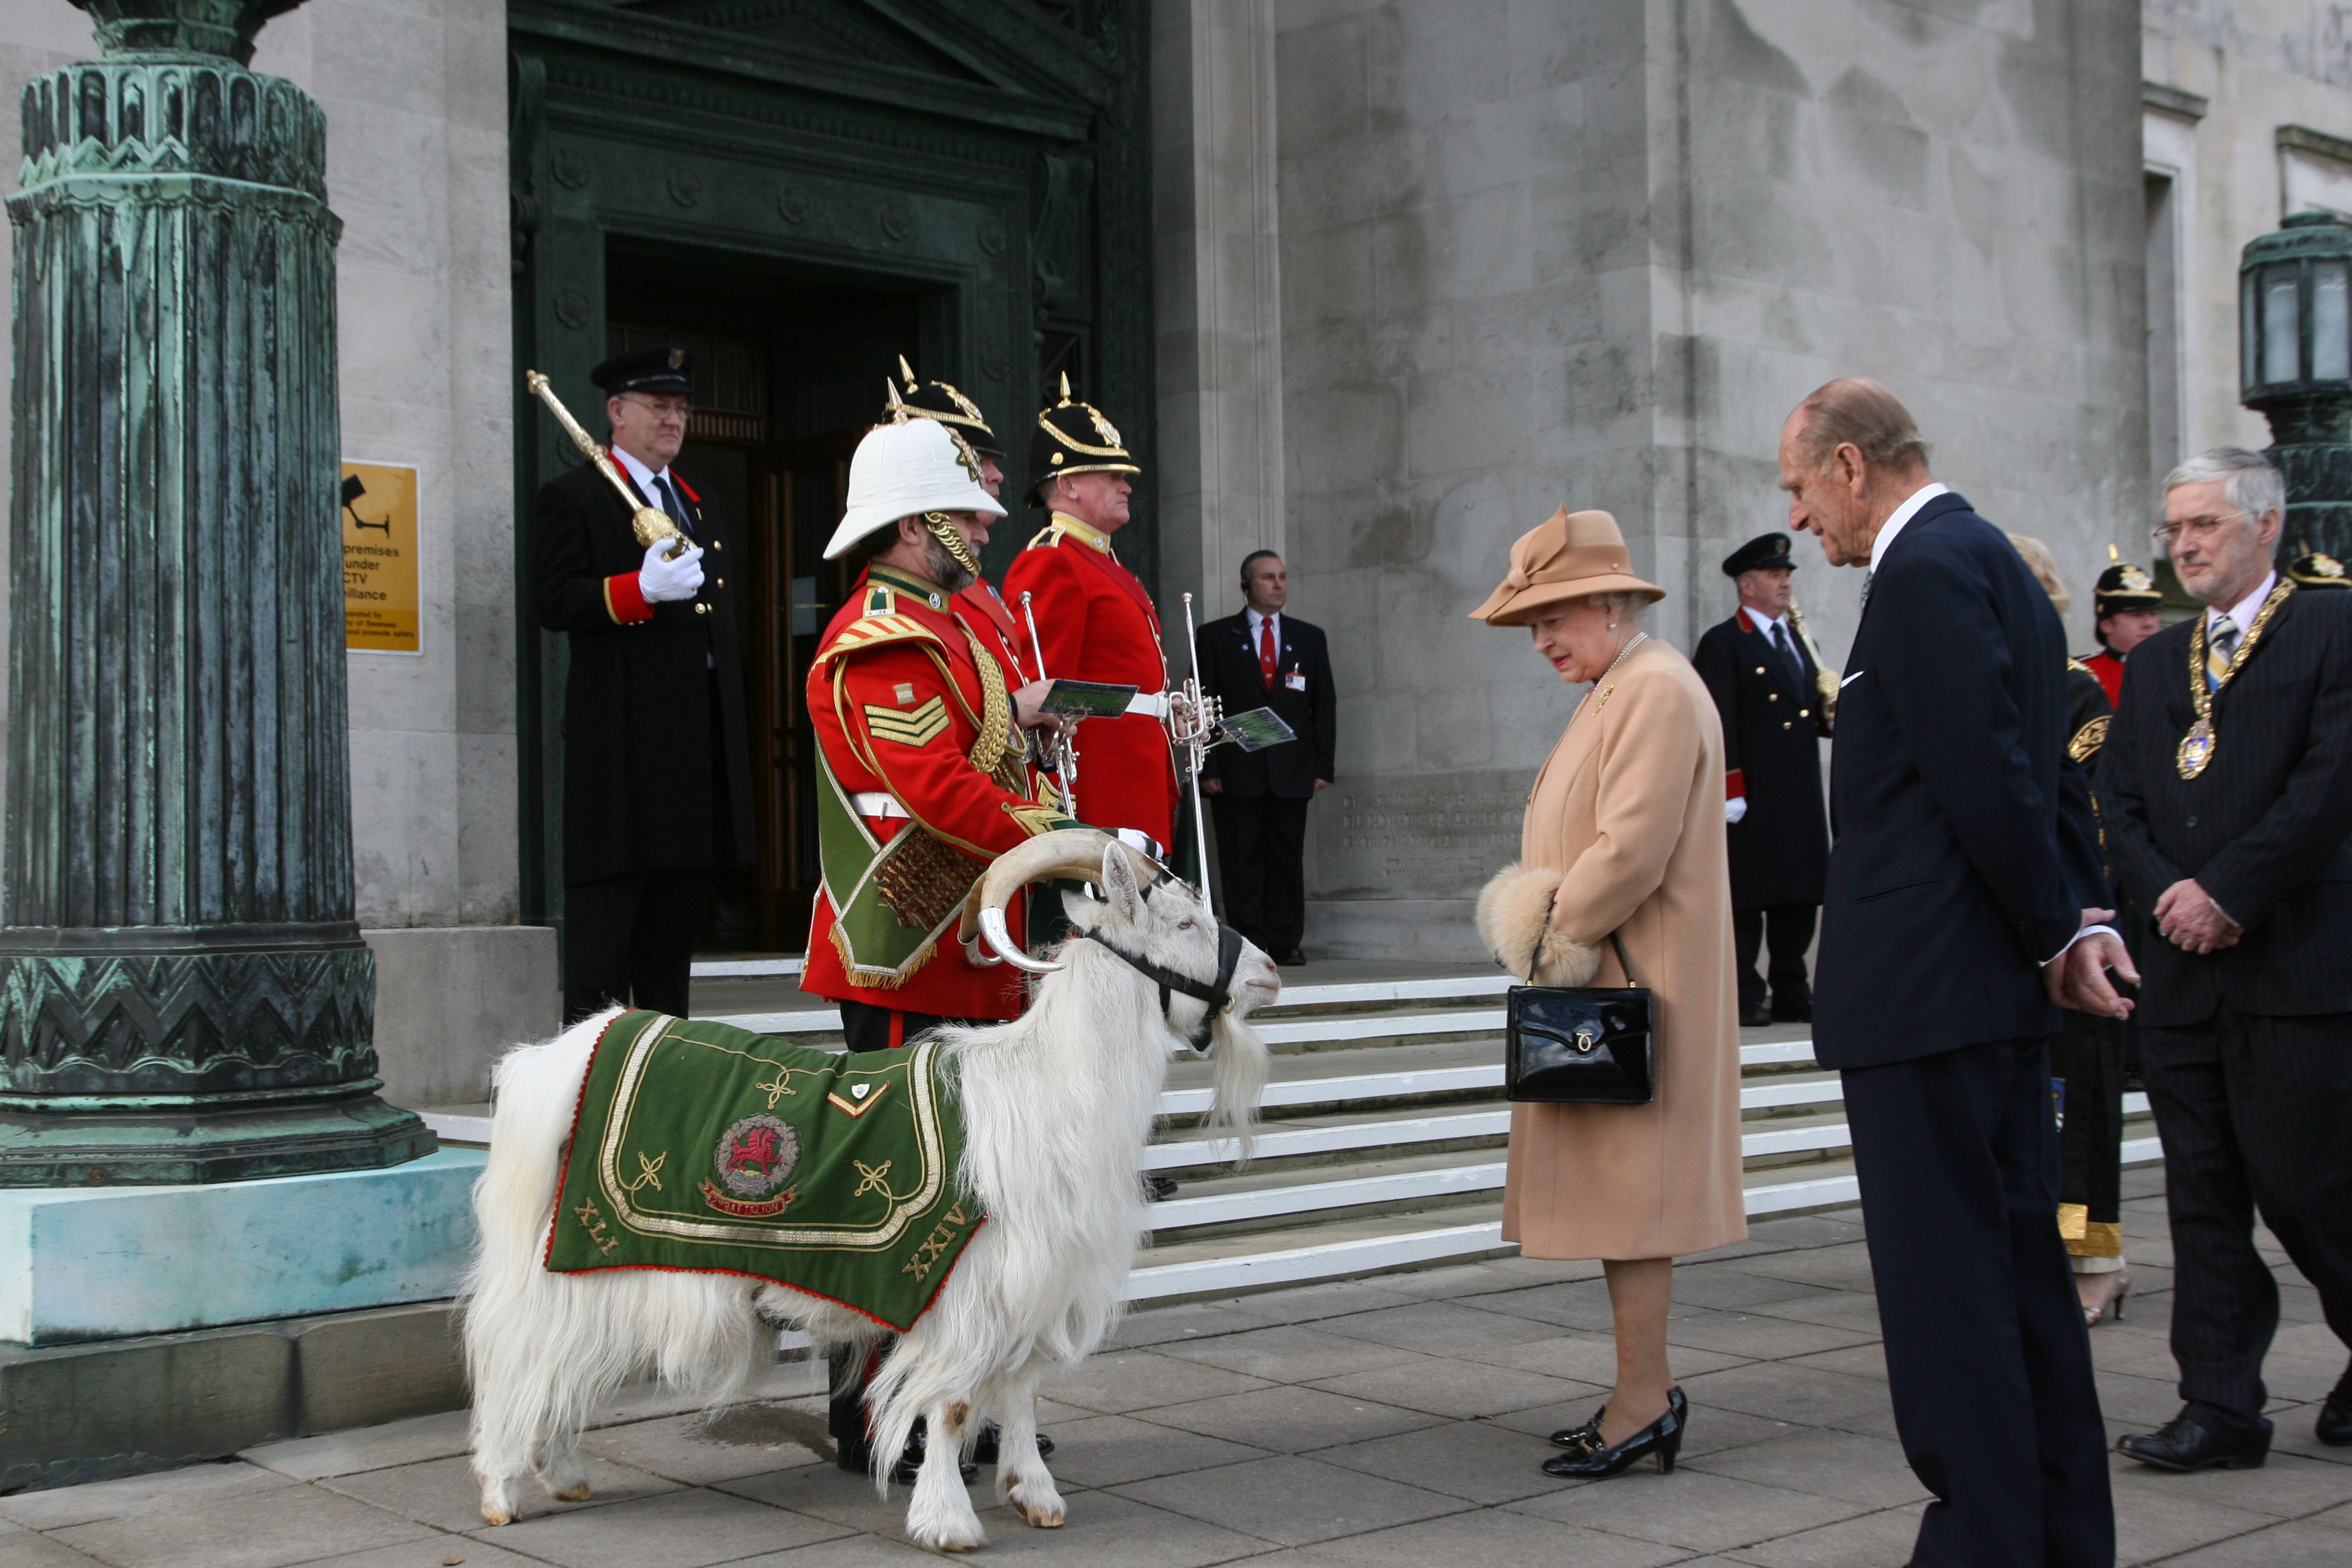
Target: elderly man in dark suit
1263 658
1956 911
2228 774
656 766
1767 688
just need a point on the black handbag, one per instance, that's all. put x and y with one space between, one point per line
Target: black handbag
1586 1045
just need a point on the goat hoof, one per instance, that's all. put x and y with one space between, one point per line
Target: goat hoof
496 1516
1043 1518
578 1492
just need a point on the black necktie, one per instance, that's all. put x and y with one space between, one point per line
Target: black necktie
1778 636
670 505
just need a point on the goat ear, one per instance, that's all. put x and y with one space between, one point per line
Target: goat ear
1119 885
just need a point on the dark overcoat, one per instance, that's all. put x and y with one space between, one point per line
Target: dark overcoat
653 743
2264 829
1772 722
1303 695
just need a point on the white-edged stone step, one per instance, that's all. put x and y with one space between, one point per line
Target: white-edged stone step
746 968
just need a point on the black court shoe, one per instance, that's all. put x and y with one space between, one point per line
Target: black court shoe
1587 1437
858 1459
1660 1439
2185 1445
984 1447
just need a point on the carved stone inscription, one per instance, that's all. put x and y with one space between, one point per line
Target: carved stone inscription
1416 835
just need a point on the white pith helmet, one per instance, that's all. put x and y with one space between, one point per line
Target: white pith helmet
905 470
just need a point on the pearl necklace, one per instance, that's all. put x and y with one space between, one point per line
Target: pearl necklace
1601 693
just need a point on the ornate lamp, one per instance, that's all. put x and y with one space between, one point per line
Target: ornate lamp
2295 366
183 993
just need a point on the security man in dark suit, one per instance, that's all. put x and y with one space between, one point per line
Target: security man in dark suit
1767 686
657 772
1263 658
1956 911
2228 781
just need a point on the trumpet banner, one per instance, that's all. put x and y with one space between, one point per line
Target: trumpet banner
706 1148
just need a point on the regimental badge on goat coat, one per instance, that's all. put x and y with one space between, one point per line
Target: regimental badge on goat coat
702 1147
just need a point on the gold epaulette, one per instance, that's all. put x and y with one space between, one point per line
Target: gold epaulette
1047 538
873 631
2086 670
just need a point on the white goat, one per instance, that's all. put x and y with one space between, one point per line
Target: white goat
1058 1108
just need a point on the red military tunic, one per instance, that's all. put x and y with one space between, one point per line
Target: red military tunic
1097 623
2110 671
908 687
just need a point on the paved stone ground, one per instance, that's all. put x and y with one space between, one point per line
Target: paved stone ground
1392 1421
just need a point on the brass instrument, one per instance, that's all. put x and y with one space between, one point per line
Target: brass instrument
650 525
1826 679
1193 724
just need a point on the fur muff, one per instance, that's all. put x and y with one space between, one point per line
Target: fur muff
1514 922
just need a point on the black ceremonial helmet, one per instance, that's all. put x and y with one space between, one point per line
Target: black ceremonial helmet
2313 570
2125 585
1075 439
938 400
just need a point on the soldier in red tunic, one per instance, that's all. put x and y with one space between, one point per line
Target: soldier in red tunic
2126 602
920 706
1097 622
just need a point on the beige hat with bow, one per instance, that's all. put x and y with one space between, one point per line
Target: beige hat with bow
1571 554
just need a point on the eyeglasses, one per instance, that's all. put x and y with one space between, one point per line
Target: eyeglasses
684 411
2201 528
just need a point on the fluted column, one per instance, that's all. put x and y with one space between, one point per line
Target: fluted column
184 992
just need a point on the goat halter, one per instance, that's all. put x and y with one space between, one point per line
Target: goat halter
1218 993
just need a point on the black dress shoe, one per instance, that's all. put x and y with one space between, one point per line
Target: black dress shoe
2185 1446
2334 1426
858 1459
1662 1439
1157 1187
983 1447
1587 1437
1757 1017
1290 958
1791 1012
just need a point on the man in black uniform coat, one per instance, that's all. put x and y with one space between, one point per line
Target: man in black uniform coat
656 776
1768 689
2228 778
1263 659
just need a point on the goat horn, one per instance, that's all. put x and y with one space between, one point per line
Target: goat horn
1073 852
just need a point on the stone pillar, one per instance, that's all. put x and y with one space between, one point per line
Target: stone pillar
183 993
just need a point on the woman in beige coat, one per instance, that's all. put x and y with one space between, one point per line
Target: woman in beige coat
1623 834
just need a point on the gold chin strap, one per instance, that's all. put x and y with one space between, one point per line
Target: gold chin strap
945 533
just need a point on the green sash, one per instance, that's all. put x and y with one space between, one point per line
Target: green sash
706 1148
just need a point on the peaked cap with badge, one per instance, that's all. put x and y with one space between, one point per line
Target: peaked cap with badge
941 400
1765 553
1074 438
2125 585
923 775
665 370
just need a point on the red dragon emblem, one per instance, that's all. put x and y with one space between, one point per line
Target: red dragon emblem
755 1159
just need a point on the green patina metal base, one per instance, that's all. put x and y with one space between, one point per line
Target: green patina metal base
183 1140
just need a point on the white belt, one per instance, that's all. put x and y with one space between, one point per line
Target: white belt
1151 706
876 802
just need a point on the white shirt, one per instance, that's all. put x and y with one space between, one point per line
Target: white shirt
1781 636
1257 620
2244 611
1903 514
643 478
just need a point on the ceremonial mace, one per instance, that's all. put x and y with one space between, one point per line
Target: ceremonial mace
1826 679
650 525
1195 730
1066 756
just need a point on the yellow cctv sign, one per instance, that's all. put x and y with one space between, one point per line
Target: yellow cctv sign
380 608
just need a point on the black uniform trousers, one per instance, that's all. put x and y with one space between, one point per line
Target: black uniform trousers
867 1028
1987 1359
629 940
2256 1116
1262 850
1789 928
2089 1052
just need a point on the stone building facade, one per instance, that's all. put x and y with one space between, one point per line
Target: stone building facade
1378 283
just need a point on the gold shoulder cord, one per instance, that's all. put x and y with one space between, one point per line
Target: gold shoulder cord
2197 747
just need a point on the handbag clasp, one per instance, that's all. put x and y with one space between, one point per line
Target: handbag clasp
1585 1041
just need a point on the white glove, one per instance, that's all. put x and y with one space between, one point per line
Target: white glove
668 582
1735 808
1135 838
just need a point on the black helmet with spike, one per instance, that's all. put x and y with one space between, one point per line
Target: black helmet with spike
1075 439
939 401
